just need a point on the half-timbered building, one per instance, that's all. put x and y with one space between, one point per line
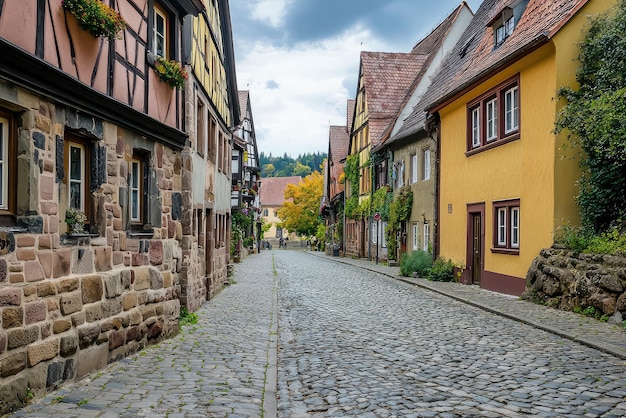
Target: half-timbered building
99 210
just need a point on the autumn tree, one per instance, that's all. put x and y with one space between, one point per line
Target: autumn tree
300 212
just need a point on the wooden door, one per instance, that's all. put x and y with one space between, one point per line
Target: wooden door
476 248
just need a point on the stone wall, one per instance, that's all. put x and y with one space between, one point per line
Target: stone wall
71 304
567 280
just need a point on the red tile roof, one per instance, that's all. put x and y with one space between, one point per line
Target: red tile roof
273 189
243 102
350 114
339 141
429 46
538 23
387 78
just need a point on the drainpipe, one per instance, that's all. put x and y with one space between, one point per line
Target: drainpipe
432 125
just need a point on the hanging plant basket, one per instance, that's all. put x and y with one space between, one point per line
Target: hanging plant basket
96 17
170 72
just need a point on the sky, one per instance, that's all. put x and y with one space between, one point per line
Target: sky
299 59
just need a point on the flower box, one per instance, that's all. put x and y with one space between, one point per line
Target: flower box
96 17
170 72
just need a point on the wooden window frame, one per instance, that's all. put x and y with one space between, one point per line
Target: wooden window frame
201 126
504 228
478 118
86 145
8 168
161 12
136 186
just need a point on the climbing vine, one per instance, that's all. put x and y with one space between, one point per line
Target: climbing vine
595 119
351 171
399 211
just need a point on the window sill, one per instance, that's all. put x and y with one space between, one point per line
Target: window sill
509 251
512 137
140 233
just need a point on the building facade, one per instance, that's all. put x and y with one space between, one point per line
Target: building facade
96 217
507 181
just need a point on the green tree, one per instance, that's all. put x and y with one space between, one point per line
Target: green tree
300 212
301 170
594 118
267 170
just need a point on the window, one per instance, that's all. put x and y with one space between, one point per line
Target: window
504 30
8 175
484 126
511 110
4 163
77 153
265 212
475 127
506 226
414 168
492 119
383 237
426 160
160 32
201 126
136 191
77 176
426 240
399 174
415 237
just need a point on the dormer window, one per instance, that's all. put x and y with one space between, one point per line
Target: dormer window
505 30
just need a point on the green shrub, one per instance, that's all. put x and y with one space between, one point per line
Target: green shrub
583 241
442 271
419 262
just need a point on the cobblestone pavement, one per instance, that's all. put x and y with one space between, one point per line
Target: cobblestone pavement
215 368
356 343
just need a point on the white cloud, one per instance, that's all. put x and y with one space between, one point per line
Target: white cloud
272 11
311 94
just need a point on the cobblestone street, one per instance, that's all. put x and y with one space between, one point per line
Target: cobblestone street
358 343
350 342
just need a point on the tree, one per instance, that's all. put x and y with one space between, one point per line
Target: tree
301 213
301 170
268 170
595 118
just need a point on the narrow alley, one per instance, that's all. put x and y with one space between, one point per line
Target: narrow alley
350 342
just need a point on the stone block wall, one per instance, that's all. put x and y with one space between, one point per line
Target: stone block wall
70 305
567 280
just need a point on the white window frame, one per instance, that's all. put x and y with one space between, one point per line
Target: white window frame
415 236
491 110
426 237
476 127
426 164
502 226
515 225
135 187
4 164
80 181
511 110
413 168
373 228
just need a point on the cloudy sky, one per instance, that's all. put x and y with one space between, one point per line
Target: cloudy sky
300 58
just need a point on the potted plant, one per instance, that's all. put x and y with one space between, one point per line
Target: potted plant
96 17
170 72
75 220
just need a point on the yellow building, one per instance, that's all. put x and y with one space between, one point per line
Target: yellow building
506 182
